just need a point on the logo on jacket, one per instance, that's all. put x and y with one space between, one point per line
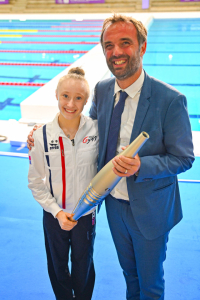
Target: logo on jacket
89 139
54 145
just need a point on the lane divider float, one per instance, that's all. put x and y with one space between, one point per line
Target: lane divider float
35 64
43 51
47 30
22 83
18 30
11 36
46 36
75 26
37 42
68 30
59 36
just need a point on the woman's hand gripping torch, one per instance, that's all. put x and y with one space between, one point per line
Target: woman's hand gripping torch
105 180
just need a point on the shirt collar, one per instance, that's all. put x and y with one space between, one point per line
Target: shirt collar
134 88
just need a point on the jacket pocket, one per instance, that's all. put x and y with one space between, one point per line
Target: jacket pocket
163 187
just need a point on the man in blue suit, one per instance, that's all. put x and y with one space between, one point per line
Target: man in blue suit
145 204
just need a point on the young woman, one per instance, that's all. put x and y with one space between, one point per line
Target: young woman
62 163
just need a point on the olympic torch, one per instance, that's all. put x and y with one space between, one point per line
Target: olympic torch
105 180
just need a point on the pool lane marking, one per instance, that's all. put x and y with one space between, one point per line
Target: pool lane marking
18 30
22 83
10 36
71 30
46 30
60 36
44 51
47 36
194 116
75 26
188 181
172 52
38 42
14 154
170 65
177 43
184 84
35 64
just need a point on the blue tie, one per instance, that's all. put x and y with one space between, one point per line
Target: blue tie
114 127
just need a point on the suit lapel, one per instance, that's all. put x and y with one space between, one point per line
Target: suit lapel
142 108
109 108
106 118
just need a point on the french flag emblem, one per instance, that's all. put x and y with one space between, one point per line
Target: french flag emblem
29 160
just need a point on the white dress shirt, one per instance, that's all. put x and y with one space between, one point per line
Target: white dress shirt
127 121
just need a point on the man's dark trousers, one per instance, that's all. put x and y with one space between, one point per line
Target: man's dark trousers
141 259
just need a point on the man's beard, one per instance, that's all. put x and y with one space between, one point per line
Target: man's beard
133 64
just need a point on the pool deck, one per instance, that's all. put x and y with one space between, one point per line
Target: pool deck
34 111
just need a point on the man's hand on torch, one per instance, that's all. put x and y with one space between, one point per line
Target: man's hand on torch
125 167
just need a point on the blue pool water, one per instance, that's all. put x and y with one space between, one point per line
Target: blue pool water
40 57
173 56
44 37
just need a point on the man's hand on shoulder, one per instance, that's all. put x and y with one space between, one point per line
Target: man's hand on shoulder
125 166
30 139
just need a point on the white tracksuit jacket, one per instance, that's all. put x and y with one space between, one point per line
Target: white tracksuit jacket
70 173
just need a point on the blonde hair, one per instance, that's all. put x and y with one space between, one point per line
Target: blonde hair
76 73
140 28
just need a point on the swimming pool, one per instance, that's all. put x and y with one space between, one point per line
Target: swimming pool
173 56
33 52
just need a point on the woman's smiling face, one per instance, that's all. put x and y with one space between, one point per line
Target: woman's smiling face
72 95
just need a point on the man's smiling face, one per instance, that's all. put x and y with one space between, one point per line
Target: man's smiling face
121 49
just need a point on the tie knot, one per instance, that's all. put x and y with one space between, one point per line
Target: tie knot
123 96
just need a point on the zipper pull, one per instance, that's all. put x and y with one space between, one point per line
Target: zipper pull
73 142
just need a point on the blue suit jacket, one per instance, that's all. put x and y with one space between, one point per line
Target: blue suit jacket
162 113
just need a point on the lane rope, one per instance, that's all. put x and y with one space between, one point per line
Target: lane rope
48 30
57 36
43 51
71 30
188 180
46 36
35 64
75 26
37 42
22 83
14 154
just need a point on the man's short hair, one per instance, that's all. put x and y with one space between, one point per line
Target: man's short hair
140 28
